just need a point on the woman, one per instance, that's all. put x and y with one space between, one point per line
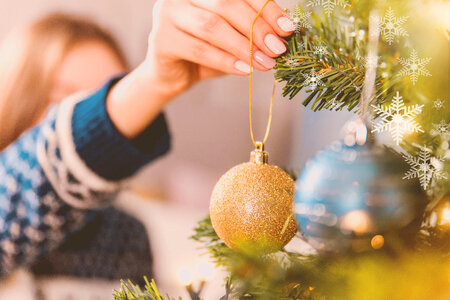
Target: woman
51 59
36 62
56 176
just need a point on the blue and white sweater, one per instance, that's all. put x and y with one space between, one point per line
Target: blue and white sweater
54 177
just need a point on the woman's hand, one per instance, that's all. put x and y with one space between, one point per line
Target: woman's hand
192 40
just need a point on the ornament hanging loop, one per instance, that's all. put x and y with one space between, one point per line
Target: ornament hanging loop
368 94
357 132
266 135
259 156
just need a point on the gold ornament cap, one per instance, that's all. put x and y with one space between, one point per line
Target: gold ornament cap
259 156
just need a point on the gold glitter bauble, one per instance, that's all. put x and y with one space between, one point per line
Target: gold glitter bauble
251 206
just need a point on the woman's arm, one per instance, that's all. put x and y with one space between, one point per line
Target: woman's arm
54 176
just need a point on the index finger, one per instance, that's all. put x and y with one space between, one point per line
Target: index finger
274 15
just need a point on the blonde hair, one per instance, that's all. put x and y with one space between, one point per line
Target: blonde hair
28 60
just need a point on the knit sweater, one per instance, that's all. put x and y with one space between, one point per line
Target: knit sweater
57 176
112 247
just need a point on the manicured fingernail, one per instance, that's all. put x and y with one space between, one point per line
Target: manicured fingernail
286 24
274 44
242 66
265 60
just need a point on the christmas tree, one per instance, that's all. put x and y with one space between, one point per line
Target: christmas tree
400 249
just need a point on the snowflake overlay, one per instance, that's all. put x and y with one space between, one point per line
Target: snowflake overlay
320 50
390 27
397 118
313 80
300 19
442 129
425 167
292 61
332 104
414 66
328 5
438 104
301 45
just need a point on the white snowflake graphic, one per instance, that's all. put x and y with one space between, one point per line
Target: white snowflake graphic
414 66
390 27
320 50
300 19
313 80
292 61
332 104
442 129
328 5
438 104
397 118
425 167
300 45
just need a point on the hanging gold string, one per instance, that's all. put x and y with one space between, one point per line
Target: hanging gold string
250 89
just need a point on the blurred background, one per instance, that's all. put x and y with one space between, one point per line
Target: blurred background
210 134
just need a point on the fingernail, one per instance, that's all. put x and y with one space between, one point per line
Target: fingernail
274 44
286 24
265 60
242 66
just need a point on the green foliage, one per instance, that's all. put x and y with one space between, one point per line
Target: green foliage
253 275
340 66
129 291
204 233
394 274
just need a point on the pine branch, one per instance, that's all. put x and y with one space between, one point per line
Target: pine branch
129 291
204 233
249 274
335 56
326 60
291 276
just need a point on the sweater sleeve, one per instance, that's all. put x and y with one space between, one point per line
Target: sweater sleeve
56 176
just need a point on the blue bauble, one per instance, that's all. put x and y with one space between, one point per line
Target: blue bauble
347 196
